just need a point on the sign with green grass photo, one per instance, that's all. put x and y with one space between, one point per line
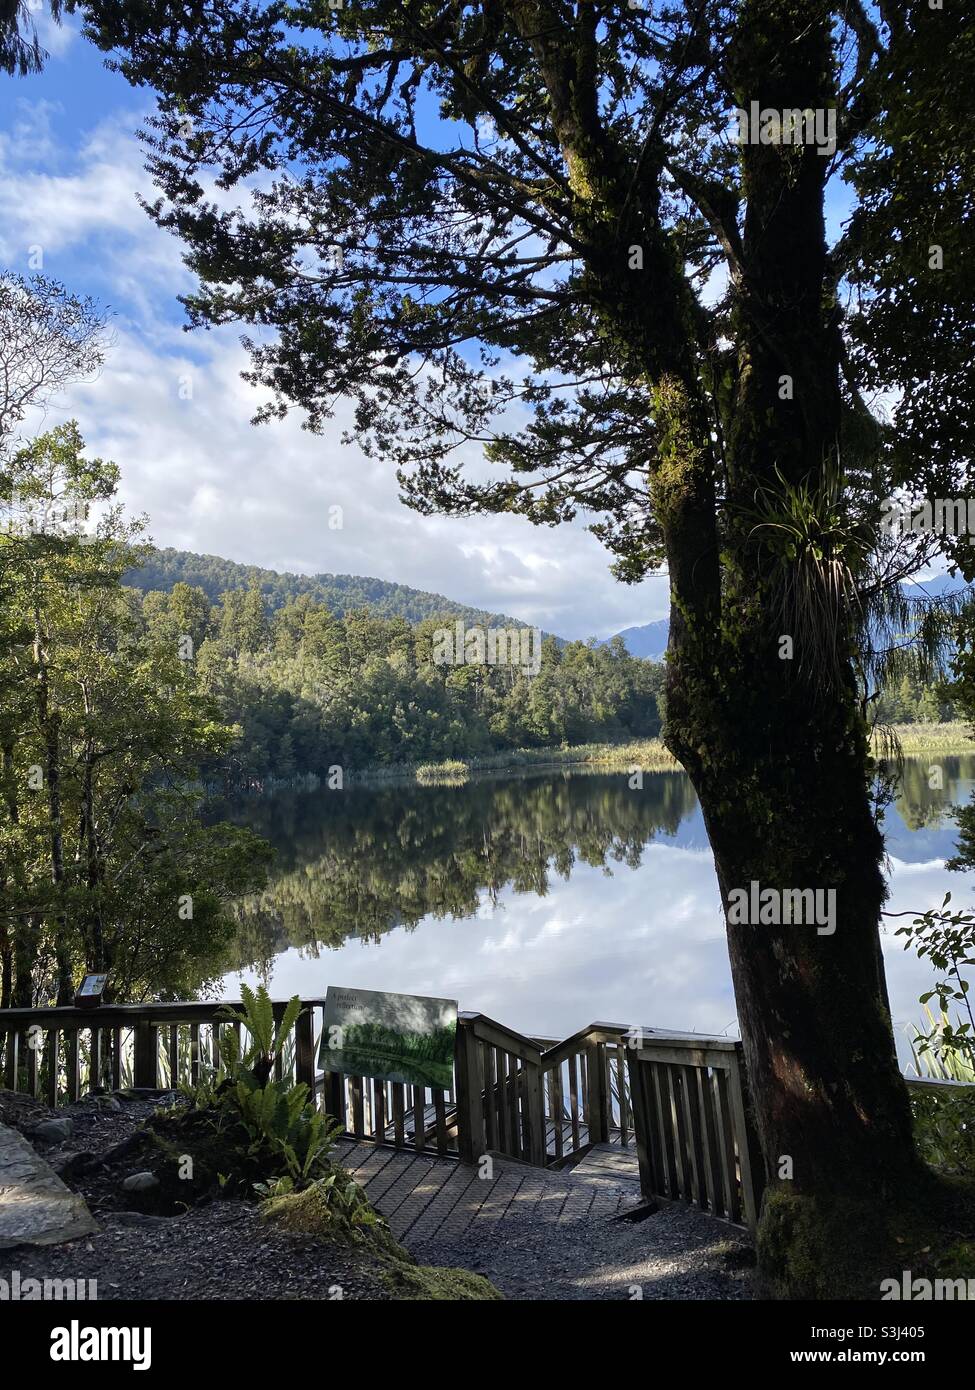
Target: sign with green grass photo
391 1037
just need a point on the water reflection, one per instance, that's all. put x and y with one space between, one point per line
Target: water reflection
546 901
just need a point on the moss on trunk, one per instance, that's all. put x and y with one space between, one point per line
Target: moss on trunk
844 1247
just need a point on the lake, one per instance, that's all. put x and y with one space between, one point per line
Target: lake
546 900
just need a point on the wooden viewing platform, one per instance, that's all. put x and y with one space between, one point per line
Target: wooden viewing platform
668 1112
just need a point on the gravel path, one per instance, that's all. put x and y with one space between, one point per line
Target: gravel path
674 1254
222 1251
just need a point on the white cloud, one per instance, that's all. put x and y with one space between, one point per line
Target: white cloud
209 480
56 38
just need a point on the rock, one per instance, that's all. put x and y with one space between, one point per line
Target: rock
35 1206
135 1218
69 1165
101 1102
53 1131
140 1182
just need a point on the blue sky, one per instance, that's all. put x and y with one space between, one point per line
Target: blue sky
170 409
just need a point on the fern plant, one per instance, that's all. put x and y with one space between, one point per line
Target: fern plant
265 1042
279 1116
260 1131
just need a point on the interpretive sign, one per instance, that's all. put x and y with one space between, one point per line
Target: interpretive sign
89 993
391 1037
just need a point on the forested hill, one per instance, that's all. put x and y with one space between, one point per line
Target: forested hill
340 593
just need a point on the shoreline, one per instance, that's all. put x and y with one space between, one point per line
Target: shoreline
647 755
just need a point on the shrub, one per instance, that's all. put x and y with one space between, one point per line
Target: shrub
245 1132
944 1128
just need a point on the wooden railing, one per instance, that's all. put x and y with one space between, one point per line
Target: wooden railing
695 1140
679 1098
540 1101
533 1099
59 1055
393 1113
62 1054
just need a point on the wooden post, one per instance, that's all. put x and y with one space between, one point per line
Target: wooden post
641 1125
534 1102
305 1051
419 1117
378 1110
750 1162
32 1078
10 1060
145 1071
53 1059
172 1052
71 1064
598 1099
335 1097
95 1060
471 1140
278 1011
194 1053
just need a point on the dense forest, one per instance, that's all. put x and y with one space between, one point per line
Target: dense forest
336 670
105 729
911 701
341 593
311 691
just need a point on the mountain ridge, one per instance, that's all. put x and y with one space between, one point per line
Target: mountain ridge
342 593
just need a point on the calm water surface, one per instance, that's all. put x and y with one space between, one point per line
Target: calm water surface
546 901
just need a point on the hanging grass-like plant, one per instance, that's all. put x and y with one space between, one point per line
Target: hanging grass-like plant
814 558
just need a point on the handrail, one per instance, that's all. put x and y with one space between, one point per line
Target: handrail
181 1011
486 1024
549 1052
539 1100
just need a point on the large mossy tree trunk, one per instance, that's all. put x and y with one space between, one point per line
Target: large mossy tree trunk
785 801
772 732
786 805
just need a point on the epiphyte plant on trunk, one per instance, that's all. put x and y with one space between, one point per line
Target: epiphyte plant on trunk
817 556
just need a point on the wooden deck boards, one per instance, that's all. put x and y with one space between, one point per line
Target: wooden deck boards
429 1199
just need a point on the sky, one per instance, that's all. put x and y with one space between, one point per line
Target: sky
170 409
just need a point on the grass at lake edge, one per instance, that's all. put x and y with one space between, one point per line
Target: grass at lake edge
650 755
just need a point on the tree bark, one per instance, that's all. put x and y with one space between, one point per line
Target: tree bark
49 728
776 747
